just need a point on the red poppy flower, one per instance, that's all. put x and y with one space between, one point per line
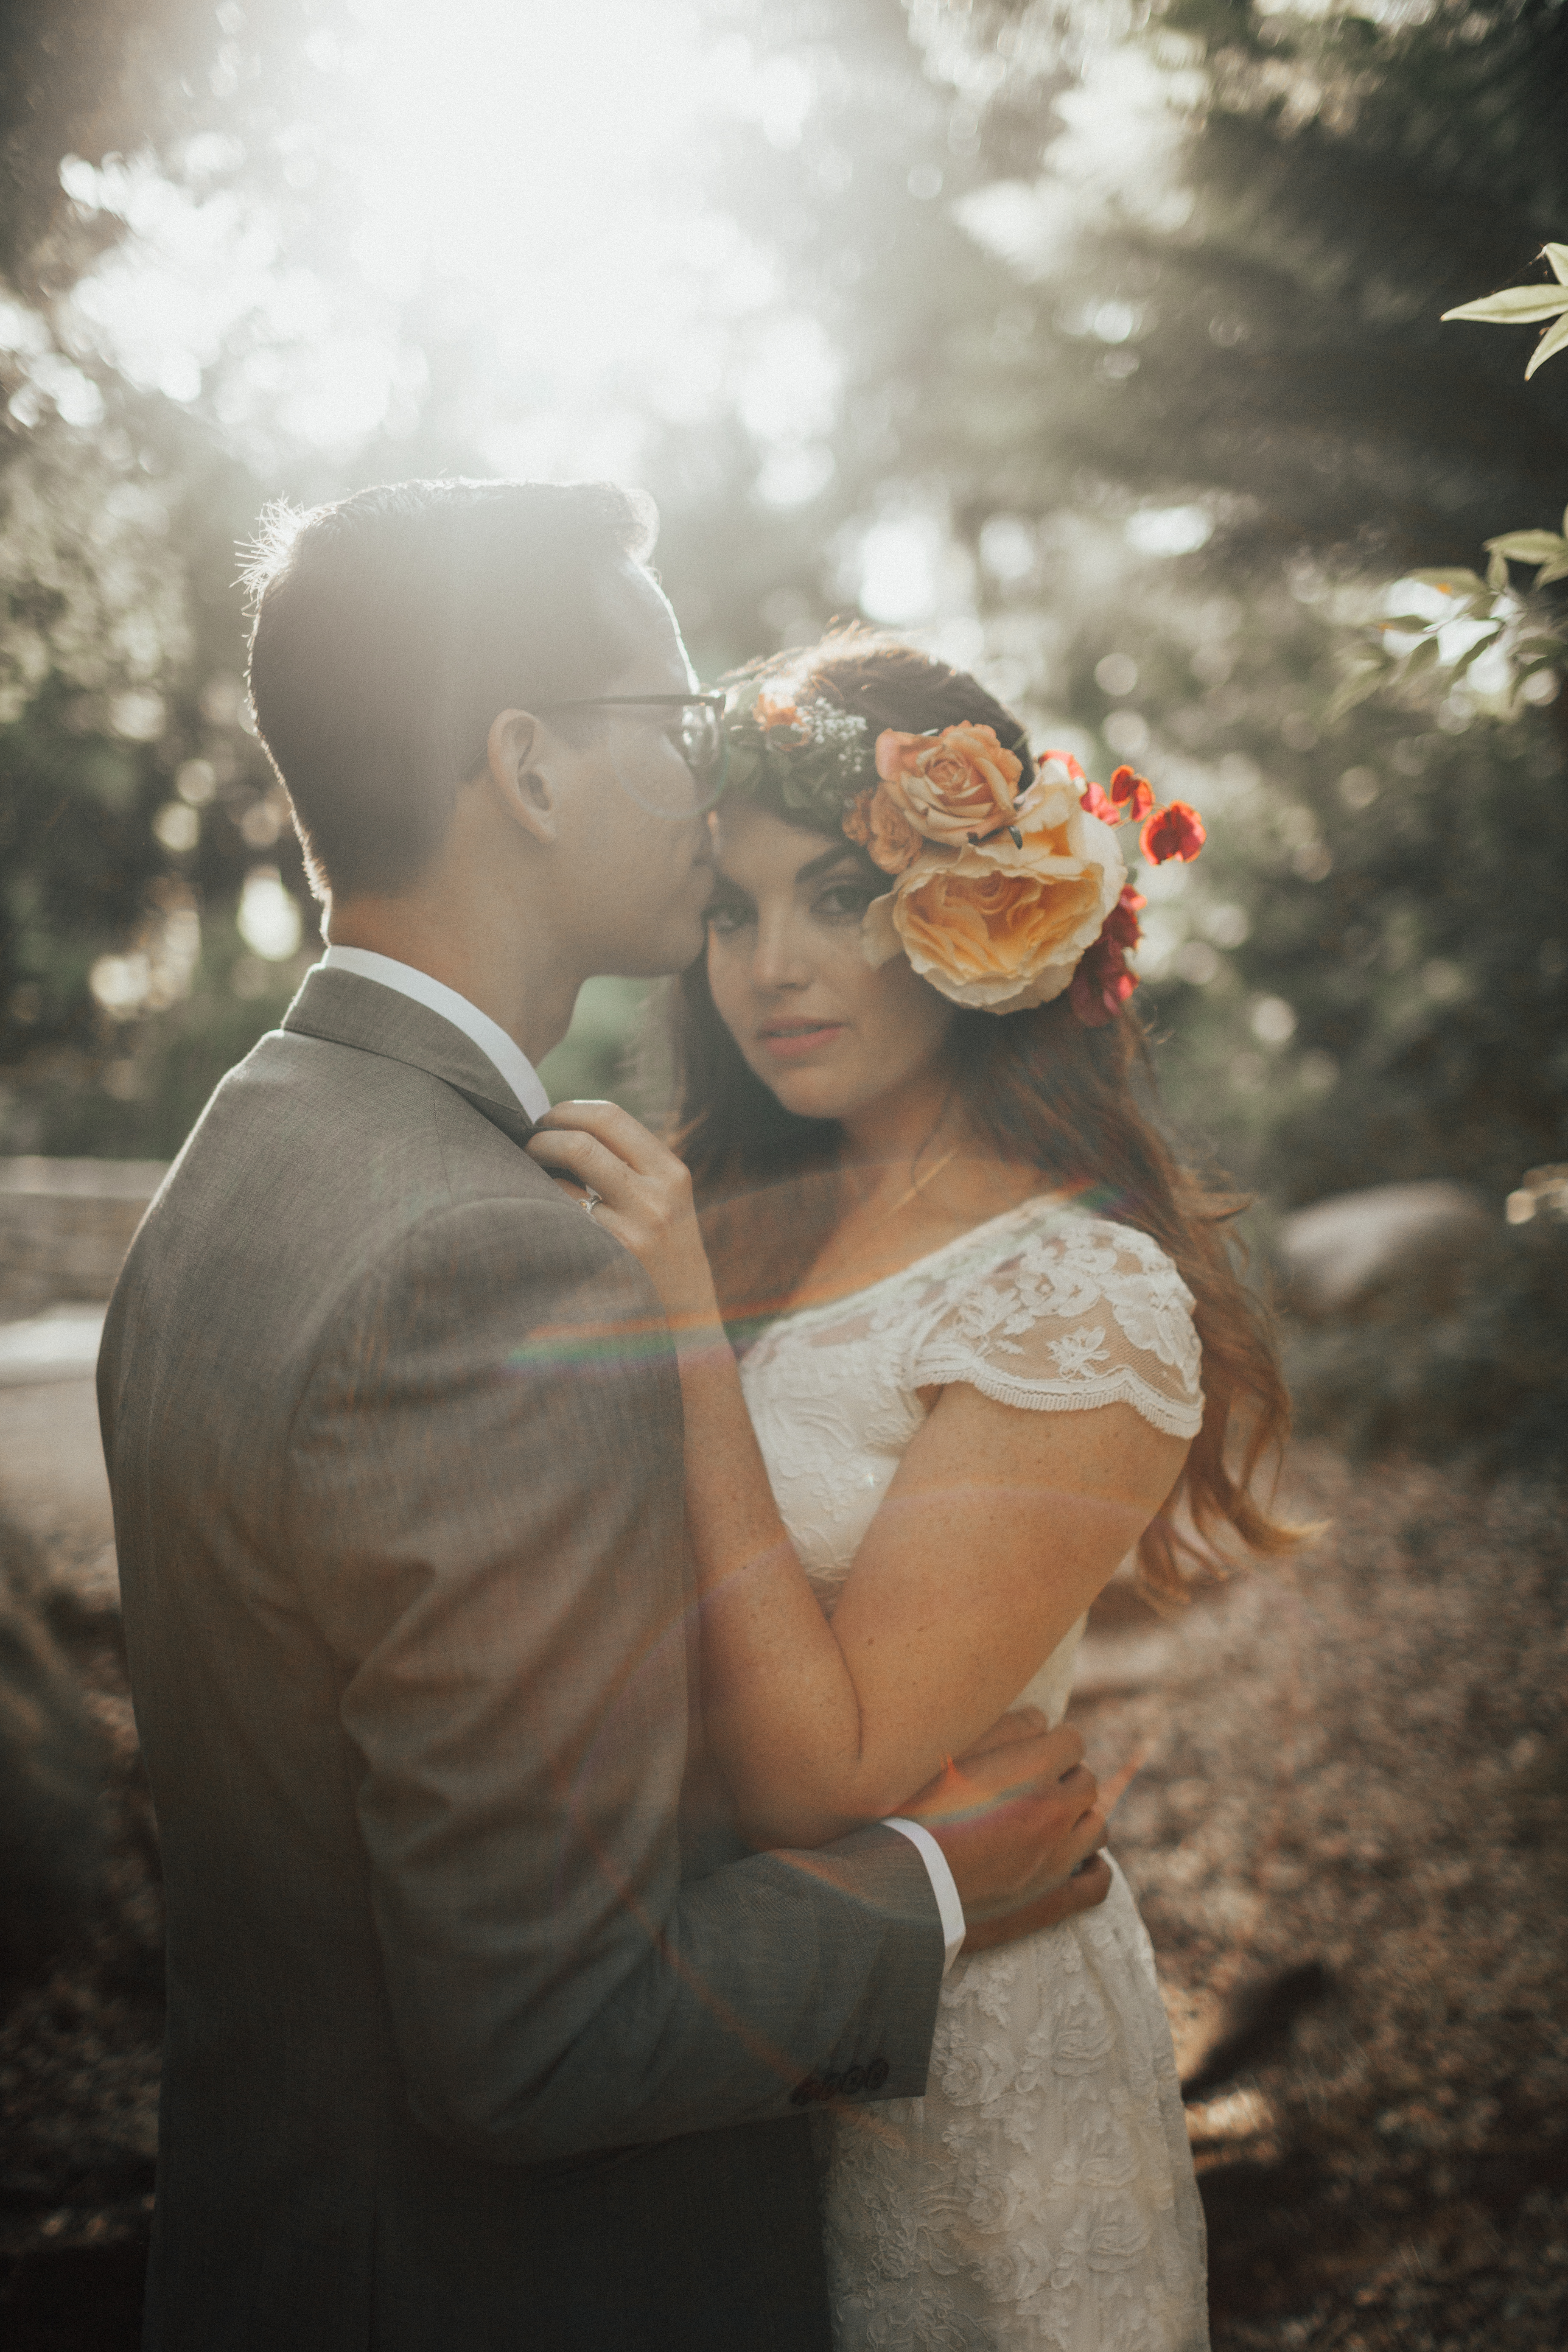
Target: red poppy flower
1174 832
1131 792
1122 924
1102 983
1098 997
1094 804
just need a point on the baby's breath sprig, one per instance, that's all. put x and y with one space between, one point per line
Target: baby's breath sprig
811 761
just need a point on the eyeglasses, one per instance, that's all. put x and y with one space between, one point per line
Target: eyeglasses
699 734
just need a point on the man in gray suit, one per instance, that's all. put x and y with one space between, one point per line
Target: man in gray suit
478 2035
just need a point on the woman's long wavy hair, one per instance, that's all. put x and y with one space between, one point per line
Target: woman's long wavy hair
1045 1092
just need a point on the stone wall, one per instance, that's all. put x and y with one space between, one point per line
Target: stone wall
66 1225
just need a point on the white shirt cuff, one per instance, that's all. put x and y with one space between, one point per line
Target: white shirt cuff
953 1929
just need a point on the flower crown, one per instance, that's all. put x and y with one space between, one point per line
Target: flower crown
1001 898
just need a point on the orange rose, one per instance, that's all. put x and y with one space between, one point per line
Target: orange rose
952 786
1001 926
771 714
880 824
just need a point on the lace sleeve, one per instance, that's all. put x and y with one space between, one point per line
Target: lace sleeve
1080 1313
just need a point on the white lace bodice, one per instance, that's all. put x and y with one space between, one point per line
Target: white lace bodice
1044 1307
1040 2196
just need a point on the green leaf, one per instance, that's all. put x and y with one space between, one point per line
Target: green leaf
1558 570
1557 257
1515 306
1497 573
1470 652
1360 682
1423 658
1530 546
1551 343
1457 582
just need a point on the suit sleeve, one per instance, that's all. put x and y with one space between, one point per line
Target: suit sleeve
484 1502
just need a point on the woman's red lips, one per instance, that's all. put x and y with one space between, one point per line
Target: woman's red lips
788 1041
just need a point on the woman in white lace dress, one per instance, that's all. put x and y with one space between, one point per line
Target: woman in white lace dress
983 1311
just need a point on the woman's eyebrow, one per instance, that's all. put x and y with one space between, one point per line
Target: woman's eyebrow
816 868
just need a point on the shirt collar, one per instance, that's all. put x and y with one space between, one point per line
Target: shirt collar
503 1052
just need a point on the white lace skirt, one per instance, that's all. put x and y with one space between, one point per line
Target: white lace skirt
1041 2194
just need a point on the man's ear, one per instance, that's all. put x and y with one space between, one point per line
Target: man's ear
516 770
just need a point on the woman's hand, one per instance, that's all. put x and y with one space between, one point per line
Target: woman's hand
645 1200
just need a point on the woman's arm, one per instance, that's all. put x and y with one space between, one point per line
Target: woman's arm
820 1726
821 1722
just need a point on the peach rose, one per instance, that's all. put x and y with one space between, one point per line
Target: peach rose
1061 767
771 714
1053 799
952 785
879 826
1000 926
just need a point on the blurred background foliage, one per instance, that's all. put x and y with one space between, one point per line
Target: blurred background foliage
1098 347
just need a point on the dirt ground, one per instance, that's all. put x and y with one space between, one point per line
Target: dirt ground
1349 1838
1357 1794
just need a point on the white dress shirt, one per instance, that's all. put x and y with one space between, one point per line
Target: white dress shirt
953 1929
513 1065
434 995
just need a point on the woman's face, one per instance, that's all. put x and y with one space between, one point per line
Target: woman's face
826 1033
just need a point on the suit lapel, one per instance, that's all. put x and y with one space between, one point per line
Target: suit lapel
345 1009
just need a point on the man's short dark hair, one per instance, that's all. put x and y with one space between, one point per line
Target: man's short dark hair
392 626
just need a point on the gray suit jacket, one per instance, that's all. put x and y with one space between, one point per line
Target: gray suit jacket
393 1434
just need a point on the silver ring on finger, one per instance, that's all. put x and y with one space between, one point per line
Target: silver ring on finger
591 1198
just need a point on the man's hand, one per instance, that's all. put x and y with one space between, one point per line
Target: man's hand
1019 1822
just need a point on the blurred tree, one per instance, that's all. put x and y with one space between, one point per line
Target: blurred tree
1461 619
131 795
1243 226
1112 357
1362 980
1145 327
1204 258
89 77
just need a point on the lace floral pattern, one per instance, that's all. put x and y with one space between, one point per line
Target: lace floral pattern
1022 1330
1040 2196
1044 1307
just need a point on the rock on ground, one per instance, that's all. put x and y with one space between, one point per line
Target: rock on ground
1395 1244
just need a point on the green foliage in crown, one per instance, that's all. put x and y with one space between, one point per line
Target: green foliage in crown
809 762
